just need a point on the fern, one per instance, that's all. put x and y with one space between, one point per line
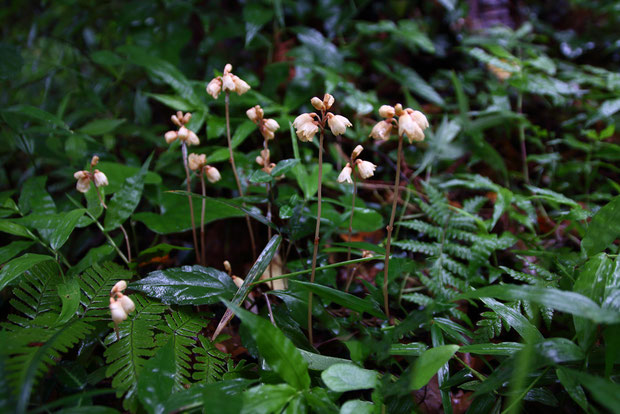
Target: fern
95 283
211 363
182 328
126 357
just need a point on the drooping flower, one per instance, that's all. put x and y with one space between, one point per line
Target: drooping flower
228 82
119 287
356 151
408 127
381 130
196 161
120 305
212 174
338 123
419 118
215 87
317 103
387 111
83 181
345 174
365 168
306 127
100 178
184 134
117 311
127 304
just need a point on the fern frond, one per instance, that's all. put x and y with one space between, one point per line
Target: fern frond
418 247
182 328
126 357
36 293
211 363
96 283
423 227
474 204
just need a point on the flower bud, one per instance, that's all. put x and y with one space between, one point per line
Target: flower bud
317 103
381 130
237 281
94 161
213 175
267 134
227 267
228 68
408 127
175 120
214 87
271 125
328 101
170 136
345 174
387 111
255 113
338 124
117 311
398 109
192 138
186 117
196 162
356 151
119 287
127 304
260 160
419 119
366 168
100 179
227 82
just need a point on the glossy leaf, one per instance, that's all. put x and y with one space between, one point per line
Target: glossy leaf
125 200
284 166
64 228
429 363
278 351
13 249
187 285
342 298
10 227
502 348
571 384
69 293
266 398
156 380
34 197
16 267
357 407
349 377
101 126
320 362
37 114
515 320
603 229
411 349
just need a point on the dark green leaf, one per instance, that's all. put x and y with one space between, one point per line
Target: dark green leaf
156 380
64 228
603 229
411 349
36 114
429 363
187 285
69 293
16 267
266 398
260 176
319 362
284 166
502 348
13 249
101 126
9 227
34 197
11 61
572 387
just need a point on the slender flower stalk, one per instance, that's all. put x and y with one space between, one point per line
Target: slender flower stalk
227 83
187 137
412 125
307 125
365 169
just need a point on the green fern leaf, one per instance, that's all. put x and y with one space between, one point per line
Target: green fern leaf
126 357
211 363
96 283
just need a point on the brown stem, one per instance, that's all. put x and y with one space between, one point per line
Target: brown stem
126 242
234 168
203 254
349 272
390 227
316 237
189 198
273 321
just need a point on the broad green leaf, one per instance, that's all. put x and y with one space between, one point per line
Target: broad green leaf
344 299
253 275
156 380
278 351
16 267
349 377
174 102
64 228
101 126
571 384
603 229
319 362
364 219
558 351
515 320
117 174
561 300
11 61
187 285
284 166
260 176
607 393
34 197
242 132
429 363
125 200
69 293
357 407
266 398
9 227
13 249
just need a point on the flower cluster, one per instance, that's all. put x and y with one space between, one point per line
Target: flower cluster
366 169
264 161
267 127
227 82
120 305
198 162
410 123
85 177
183 134
307 125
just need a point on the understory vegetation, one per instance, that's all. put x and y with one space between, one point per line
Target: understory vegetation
296 206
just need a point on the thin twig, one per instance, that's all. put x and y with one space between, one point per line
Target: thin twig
189 198
203 255
126 242
316 236
390 227
234 168
349 271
